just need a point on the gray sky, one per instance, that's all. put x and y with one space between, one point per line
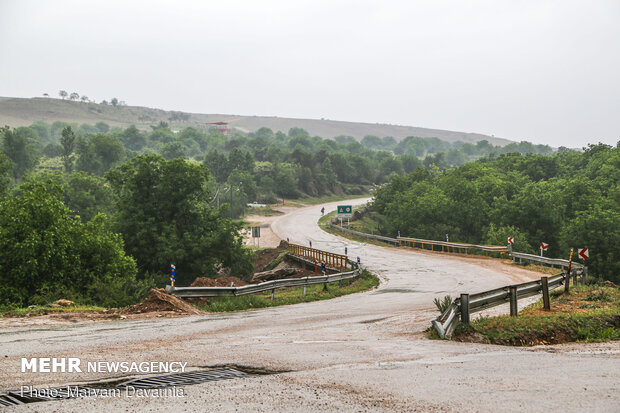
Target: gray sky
543 71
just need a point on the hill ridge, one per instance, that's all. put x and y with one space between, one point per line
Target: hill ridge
24 111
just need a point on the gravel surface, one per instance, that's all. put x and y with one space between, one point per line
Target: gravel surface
362 352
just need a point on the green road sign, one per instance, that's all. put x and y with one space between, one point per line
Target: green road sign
345 211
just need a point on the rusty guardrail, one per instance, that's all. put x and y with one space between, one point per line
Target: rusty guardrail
454 246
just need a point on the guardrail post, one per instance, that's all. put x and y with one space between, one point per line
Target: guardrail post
584 275
544 282
513 301
574 271
465 308
566 282
273 293
304 293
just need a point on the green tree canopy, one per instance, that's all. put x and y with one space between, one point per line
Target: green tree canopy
45 254
164 215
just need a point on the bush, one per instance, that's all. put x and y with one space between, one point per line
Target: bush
46 254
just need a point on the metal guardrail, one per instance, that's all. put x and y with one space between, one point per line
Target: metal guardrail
363 234
466 304
308 255
544 260
458 246
186 292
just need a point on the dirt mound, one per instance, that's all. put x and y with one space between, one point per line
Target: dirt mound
264 257
608 283
158 300
218 282
283 245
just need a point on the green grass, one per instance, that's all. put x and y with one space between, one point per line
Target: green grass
585 314
44 309
285 296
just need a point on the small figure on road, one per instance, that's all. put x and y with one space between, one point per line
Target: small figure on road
359 261
310 244
323 211
346 251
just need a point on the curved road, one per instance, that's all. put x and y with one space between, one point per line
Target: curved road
362 352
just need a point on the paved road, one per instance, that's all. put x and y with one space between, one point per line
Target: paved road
363 352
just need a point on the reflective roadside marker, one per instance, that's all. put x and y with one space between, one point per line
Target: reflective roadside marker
173 271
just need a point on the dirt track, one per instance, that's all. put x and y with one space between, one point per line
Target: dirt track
363 352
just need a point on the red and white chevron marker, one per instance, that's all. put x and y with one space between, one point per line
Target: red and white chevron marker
511 240
583 253
544 246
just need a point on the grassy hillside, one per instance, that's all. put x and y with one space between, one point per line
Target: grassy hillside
22 112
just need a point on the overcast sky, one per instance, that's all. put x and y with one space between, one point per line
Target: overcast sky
543 71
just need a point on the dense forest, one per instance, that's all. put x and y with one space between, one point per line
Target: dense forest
98 214
568 199
258 166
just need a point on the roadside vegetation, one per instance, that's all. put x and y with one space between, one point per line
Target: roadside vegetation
97 214
586 314
285 296
568 200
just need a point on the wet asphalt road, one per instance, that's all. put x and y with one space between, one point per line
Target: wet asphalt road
362 352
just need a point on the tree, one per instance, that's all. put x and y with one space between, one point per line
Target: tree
5 173
103 102
63 94
597 229
23 155
371 141
52 150
173 150
102 127
74 96
133 139
98 153
114 102
68 145
298 132
84 98
217 163
164 215
45 254
87 195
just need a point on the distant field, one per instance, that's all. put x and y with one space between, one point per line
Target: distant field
22 112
